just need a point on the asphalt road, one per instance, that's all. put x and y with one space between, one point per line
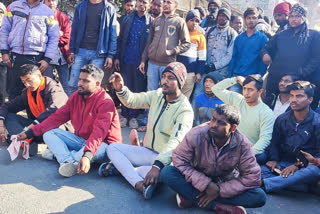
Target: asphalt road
34 186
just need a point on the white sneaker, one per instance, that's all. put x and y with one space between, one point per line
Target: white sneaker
68 169
48 155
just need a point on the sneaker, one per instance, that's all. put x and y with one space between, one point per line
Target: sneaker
48 155
133 123
123 122
68 169
134 138
107 169
229 209
148 191
182 202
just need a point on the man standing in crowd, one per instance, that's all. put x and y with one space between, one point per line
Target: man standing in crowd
93 37
294 51
168 37
132 41
256 117
156 8
41 98
3 67
295 130
129 6
171 117
236 23
211 19
94 118
204 174
60 61
220 41
280 14
280 104
246 59
195 58
31 34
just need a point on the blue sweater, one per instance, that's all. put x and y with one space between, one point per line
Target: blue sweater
246 58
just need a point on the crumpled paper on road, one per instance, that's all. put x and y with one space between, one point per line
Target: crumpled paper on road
14 148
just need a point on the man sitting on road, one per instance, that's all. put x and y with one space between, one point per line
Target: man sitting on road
295 130
256 117
42 97
94 118
215 167
170 118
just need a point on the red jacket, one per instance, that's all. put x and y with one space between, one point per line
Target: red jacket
64 32
94 119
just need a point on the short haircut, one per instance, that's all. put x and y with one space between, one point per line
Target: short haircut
306 86
230 112
201 10
28 69
126 1
94 71
256 78
251 11
293 77
233 17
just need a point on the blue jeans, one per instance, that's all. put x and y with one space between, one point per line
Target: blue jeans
261 158
297 181
63 72
171 176
84 57
68 147
15 123
154 74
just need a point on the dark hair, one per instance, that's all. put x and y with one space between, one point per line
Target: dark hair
293 77
256 78
306 86
126 1
251 11
233 17
28 69
94 71
232 113
201 10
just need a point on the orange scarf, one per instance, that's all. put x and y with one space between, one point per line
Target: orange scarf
36 108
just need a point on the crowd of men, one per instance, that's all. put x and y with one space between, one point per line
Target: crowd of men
229 106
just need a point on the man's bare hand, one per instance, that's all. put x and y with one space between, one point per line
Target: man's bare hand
84 165
117 81
272 165
290 170
197 78
71 58
3 134
43 65
6 60
240 79
22 136
108 63
117 65
210 194
152 177
267 59
142 68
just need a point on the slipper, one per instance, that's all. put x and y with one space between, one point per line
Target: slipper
148 191
106 169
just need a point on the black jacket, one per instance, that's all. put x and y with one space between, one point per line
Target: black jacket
125 29
287 137
53 97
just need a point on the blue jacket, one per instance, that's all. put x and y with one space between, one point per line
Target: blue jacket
29 31
107 44
288 137
246 58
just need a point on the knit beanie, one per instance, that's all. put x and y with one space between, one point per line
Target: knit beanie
179 71
225 11
193 14
283 8
215 76
300 9
217 2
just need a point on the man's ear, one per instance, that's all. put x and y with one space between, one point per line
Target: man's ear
310 99
233 127
261 91
98 83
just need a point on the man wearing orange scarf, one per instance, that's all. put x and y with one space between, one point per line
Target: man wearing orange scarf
42 97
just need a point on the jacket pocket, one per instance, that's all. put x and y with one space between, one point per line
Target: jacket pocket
37 32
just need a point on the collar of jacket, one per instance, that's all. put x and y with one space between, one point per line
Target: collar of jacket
93 95
308 119
171 16
175 100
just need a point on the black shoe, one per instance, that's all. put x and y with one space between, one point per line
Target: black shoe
33 149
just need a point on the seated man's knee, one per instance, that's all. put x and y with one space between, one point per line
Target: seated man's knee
260 197
168 173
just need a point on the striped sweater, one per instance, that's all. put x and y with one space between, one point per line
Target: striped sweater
194 59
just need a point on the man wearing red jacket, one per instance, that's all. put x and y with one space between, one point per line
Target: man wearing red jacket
60 62
95 121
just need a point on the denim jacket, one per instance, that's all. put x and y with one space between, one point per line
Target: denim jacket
29 30
107 44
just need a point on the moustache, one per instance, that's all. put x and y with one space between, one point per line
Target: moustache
164 85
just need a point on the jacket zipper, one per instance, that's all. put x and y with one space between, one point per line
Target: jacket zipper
85 103
24 32
160 36
155 124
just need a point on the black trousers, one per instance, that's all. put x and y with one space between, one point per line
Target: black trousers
3 81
